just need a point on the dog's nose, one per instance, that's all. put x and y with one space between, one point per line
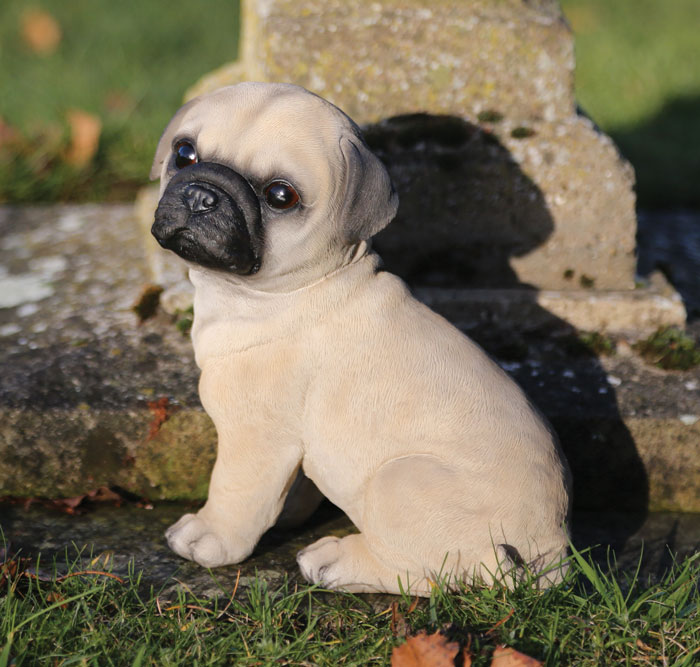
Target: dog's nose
199 199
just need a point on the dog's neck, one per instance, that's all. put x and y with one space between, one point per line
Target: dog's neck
230 315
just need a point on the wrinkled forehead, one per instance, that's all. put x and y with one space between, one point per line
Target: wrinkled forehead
265 133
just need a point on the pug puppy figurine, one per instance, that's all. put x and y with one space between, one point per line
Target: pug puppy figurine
318 365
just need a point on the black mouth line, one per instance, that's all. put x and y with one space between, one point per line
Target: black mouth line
185 246
176 235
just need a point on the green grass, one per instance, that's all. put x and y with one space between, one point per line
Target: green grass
128 62
593 618
637 76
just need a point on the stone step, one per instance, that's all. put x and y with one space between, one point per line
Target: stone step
90 397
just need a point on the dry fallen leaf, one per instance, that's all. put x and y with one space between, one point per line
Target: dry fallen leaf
105 494
12 567
424 650
76 504
85 131
159 409
116 101
8 134
40 31
57 597
504 656
147 304
8 570
399 627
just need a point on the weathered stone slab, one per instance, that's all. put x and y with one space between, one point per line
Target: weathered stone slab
63 452
79 371
382 57
500 180
81 381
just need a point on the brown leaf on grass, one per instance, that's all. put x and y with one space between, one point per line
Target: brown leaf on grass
503 656
40 31
9 136
12 567
117 101
8 570
399 627
57 597
85 129
423 650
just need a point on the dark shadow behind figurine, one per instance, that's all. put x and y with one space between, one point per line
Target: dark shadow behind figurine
452 174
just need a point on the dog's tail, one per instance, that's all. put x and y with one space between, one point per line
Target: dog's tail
546 569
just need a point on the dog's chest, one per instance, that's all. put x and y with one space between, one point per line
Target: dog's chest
256 393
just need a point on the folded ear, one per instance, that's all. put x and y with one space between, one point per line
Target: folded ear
166 139
370 201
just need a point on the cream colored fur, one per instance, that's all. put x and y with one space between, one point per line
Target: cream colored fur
322 362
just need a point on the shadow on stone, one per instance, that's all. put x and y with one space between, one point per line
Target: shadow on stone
670 242
659 148
466 208
465 205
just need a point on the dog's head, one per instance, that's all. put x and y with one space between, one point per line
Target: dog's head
267 180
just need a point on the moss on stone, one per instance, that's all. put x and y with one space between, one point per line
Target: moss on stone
184 319
178 460
670 348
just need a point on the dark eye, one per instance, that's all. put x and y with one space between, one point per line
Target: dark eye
185 154
281 195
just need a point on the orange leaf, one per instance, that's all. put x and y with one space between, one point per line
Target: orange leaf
8 570
56 597
117 101
67 505
159 409
504 656
399 627
40 31
104 493
8 134
85 129
424 650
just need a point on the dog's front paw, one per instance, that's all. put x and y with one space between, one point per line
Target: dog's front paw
192 538
317 560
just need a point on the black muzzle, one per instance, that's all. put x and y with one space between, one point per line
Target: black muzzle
210 215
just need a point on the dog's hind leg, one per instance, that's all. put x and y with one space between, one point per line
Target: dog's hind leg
420 522
348 564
